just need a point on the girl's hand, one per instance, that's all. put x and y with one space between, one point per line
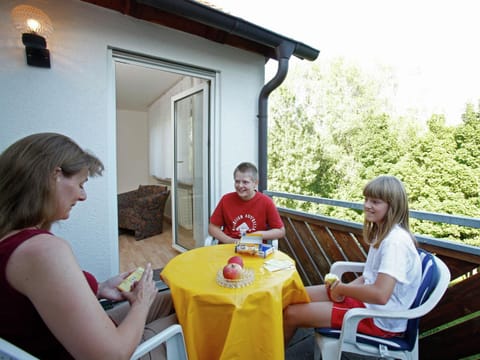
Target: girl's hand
108 289
143 291
333 291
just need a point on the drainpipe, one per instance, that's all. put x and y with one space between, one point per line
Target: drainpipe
284 52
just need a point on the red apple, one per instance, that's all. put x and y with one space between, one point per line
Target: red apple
236 260
232 271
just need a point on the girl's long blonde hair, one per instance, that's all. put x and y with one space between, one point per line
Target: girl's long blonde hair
391 190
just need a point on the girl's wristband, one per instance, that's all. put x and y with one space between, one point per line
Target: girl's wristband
328 294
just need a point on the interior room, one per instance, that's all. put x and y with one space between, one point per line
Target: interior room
145 155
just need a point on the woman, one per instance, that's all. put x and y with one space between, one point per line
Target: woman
391 276
49 306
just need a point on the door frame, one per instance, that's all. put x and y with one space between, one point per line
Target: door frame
209 75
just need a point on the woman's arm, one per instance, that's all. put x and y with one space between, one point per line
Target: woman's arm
45 270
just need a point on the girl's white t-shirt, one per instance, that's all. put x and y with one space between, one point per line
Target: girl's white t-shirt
397 257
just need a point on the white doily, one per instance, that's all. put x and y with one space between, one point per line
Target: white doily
247 278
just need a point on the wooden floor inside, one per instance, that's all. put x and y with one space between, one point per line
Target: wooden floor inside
156 249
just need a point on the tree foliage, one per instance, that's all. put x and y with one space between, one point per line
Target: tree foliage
333 129
297 163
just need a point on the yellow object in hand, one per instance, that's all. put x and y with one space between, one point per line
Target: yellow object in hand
330 279
127 284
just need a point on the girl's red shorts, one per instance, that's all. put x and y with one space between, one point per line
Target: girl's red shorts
366 326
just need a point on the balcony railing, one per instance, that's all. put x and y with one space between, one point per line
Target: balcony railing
450 330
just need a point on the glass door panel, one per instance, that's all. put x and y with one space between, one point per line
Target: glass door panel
190 173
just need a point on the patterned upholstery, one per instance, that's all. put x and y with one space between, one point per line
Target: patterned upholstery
142 210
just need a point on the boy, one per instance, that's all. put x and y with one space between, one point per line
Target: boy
245 210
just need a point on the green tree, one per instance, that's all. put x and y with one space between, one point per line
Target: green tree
297 163
333 129
437 182
467 137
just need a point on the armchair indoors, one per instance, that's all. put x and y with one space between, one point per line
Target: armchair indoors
142 210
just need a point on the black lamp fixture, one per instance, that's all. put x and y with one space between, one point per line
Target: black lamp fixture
35 27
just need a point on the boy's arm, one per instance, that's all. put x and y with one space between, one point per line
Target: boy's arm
274 220
217 233
272 234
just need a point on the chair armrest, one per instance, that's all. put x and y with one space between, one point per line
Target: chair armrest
126 199
172 336
150 202
354 316
209 241
340 267
10 351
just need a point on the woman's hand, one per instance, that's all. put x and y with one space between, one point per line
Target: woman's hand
108 288
143 291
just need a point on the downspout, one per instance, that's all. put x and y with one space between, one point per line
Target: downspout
284 51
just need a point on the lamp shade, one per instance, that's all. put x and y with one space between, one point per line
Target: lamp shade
30 20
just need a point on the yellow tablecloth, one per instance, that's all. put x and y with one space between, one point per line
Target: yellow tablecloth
225 323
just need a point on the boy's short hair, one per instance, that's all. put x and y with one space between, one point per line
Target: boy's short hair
247 167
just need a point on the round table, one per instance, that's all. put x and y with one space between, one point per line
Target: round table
231 323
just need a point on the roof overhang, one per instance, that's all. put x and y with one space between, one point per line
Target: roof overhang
210 23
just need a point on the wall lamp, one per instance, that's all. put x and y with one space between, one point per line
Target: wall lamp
35 27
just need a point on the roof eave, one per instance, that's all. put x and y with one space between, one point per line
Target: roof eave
205 21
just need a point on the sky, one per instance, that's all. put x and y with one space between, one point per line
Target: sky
432 46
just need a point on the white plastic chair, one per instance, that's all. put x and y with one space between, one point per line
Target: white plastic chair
330 343
209 241
8 351
172 336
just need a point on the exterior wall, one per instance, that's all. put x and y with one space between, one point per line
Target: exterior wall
76 97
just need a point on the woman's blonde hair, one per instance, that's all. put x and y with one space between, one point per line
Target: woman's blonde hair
27 182
391 190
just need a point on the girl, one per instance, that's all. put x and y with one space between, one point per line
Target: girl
391 276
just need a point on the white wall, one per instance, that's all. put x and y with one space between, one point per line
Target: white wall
76 97
132 150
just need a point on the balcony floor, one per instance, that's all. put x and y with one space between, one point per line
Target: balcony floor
301 346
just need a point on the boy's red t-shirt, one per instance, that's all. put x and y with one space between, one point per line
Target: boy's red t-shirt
234 214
